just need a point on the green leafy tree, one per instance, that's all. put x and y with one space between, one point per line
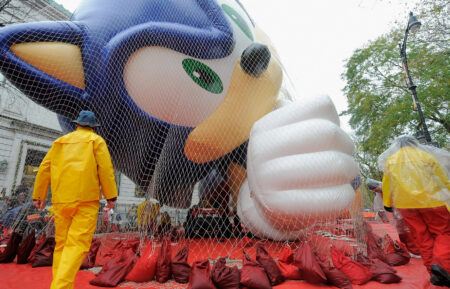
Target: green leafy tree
379 101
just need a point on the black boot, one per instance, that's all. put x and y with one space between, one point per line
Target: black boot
439 276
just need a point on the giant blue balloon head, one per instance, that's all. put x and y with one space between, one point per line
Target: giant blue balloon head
176 85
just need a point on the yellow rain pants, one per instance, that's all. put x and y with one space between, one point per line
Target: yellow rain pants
75 224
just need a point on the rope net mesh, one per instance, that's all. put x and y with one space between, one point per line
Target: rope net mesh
177 87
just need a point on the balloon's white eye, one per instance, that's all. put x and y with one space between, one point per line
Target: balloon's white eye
238 19
173 88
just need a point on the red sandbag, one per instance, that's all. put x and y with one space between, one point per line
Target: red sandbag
163 268
39 241
381 271
145 267
200 276
286 255
180 266
225 277
285 263
132 244
334 276
272 269
89 261
12 246
395 253
108 252
374 250
309 268
115 270
44 254
253 274
356 272
25 247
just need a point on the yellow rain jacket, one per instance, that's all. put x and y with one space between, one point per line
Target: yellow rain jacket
71 168
147 212
414 179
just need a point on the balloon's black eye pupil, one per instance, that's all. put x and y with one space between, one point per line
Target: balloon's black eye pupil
203 76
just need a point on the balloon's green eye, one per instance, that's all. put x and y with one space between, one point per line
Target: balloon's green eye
238 19
203 75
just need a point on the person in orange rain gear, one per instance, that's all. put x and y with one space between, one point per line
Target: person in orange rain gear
76 166
417 185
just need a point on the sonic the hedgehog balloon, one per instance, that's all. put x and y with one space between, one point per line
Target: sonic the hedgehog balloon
184 87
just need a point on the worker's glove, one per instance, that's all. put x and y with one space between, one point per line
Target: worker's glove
299 166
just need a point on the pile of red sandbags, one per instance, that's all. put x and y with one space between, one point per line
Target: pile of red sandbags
25 248
262 272
10 252
120 262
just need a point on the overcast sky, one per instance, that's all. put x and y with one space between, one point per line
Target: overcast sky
314 37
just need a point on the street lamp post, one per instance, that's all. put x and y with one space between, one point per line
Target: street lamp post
413 26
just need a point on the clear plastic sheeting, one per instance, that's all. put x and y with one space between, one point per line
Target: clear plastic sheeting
414 175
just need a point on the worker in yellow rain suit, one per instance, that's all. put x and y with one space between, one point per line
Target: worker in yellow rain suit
76 166
147 213
416 184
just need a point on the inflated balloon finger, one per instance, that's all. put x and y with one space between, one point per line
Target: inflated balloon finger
300 165
256 222
302 109
312 135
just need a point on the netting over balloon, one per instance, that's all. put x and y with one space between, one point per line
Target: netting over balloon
197 111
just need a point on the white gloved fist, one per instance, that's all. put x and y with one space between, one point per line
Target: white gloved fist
299 168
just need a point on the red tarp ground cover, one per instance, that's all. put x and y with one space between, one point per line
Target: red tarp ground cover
13 276
414 275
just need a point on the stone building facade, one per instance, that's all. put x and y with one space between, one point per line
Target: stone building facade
27 129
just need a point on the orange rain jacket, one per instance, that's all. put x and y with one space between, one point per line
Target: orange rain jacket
76 165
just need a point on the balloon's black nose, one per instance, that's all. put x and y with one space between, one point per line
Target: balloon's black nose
255 59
